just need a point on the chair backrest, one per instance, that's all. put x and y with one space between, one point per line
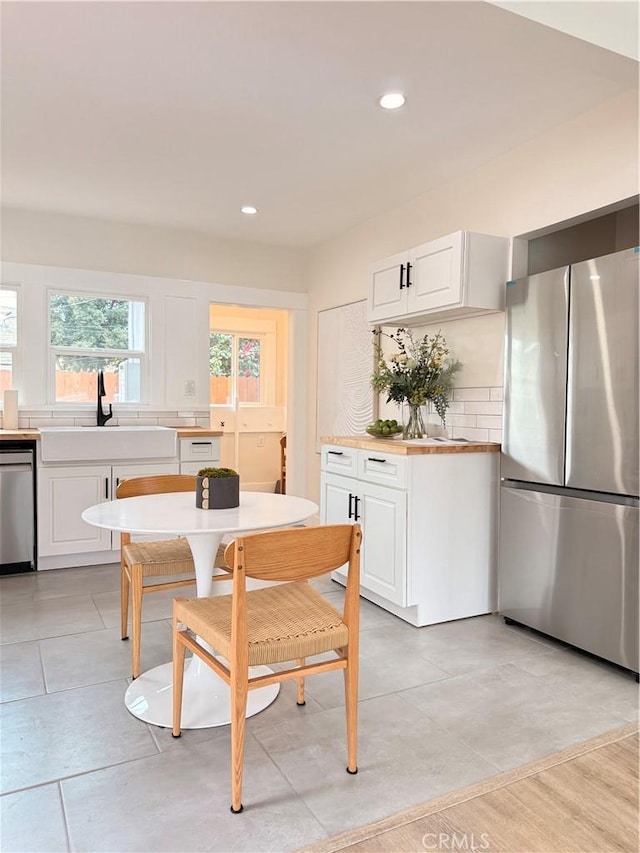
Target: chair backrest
297 553
157 485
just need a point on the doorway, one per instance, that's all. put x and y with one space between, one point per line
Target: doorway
248 356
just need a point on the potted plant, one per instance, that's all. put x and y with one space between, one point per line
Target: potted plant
217 488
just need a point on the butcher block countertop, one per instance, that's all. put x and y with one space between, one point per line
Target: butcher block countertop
412 448
34 434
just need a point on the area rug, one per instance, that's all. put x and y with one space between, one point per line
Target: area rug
584 798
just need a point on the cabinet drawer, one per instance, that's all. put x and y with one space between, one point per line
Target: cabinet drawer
388 469
340 460
199 449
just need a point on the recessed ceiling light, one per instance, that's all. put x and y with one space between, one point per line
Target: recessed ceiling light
392 100
249 209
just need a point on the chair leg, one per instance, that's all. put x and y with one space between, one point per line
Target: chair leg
136 617
300 699
124 601
351 704
178 679
239 688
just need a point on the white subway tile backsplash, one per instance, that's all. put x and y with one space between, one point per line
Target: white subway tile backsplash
53 422
483 408
64 414
476 413
175 421
85 416
471 434
462 420
478 394
490 421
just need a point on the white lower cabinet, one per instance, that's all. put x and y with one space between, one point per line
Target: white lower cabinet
64 492
382 513
429 528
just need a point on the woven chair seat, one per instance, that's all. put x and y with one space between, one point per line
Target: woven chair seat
167 557
284 623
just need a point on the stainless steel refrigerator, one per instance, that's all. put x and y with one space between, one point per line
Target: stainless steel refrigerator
568 559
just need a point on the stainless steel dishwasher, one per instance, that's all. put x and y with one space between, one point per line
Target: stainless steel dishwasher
17 508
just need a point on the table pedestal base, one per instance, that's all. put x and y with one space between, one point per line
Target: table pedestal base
205 697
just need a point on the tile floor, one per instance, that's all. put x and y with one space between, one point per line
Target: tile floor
441 707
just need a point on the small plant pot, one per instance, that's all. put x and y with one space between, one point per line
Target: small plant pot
217 492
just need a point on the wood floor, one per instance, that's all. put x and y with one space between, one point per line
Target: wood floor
584 799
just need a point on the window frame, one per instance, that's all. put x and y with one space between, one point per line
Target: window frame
15 351
267 366
54 350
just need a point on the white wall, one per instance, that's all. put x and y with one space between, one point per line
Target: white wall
582 165
59 240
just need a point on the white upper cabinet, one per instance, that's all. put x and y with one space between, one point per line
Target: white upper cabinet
455 276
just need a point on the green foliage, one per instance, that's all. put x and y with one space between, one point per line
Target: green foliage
217 473
249 357
221 356
89 323
418 372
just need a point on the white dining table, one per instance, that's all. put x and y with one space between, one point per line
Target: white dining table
205 700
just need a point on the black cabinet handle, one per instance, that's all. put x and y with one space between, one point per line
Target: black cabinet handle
351 497
208 443
375 459
335 453
356 517
106 488
408 274
401 276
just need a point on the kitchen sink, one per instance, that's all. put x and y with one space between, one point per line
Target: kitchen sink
108 443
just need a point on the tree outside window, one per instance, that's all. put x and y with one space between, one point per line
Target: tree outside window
89 334
235 368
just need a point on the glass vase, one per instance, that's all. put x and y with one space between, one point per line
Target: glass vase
414 427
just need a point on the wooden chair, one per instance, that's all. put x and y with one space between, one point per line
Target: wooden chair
139 560
289 622
283 465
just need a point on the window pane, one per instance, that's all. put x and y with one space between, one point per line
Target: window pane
8 318
6 371
77 379
94 323
220 368
249 370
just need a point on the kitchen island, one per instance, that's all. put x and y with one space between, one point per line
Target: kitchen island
428 510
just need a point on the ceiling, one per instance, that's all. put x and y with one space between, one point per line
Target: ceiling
178 113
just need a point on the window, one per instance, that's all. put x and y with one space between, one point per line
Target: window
8 337
90 333
236 368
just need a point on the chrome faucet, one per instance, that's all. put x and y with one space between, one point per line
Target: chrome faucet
102 417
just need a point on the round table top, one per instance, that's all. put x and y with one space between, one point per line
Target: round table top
176 512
